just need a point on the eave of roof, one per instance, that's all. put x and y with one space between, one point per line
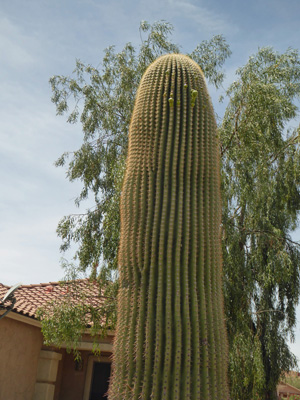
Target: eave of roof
29 298
291 389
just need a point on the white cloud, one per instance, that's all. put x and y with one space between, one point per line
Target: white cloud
207 19
34 195
28 244
15 45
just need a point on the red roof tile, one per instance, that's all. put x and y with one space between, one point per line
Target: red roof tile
29 298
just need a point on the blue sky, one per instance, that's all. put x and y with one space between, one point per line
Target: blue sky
41 38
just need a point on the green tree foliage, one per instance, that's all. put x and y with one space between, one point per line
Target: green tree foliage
66 318
260 187
102 100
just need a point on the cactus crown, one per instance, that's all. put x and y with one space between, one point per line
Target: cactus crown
170 340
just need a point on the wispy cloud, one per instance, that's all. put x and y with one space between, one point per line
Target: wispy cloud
207 19
27 248
15 45
33 193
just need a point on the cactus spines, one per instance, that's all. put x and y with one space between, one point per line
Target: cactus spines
170 339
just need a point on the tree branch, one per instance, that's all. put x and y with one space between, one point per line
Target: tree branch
283 238
290 143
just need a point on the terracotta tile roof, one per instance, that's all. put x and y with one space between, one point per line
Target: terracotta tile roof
29 298
284 388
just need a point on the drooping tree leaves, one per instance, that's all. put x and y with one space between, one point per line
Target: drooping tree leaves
261 200
260 187
102 100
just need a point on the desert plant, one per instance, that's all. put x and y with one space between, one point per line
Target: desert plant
170 340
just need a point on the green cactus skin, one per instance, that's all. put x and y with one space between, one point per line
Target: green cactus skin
170 339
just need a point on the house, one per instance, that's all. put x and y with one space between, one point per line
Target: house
287 391
29 370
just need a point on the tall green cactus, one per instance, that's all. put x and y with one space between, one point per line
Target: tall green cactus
170 339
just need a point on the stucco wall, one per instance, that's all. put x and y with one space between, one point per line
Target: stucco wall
72 381
20 346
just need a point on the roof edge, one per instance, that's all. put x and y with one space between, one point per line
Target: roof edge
22 318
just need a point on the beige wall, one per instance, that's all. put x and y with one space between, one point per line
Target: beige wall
70 382
20 346
20 349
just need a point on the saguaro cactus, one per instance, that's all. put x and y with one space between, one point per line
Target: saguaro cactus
170 339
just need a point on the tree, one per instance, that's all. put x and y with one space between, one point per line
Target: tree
260 188
260 167
108 99
81 304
